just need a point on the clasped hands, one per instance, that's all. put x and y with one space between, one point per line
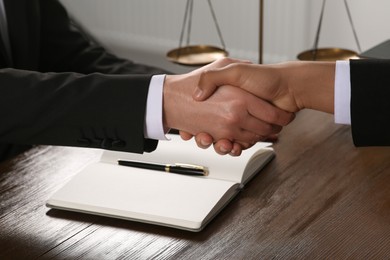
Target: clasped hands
229 103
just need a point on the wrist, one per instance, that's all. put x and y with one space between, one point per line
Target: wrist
167 102
174 96
311 84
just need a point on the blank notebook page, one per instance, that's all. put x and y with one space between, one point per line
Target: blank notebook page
146 194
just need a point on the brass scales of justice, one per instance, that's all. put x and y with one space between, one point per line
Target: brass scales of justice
196 55
330 54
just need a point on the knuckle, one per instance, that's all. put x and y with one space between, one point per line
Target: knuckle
285 119
235 68
204 78
235 71
205 73
276 129
279 117
226 60
267 129
232 119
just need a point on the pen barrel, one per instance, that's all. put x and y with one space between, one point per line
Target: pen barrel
186 171
150 166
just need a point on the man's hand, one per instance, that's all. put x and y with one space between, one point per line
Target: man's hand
265 82
291 86
231 113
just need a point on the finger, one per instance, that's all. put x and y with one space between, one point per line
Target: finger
244 146
245 136
272 138
204 140
223 146
269 113
259 128
185 136
209 80
237 149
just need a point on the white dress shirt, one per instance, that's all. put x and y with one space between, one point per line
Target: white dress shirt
154 127
342 93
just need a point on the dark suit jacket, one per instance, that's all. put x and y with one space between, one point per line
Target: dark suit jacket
51 94
370 102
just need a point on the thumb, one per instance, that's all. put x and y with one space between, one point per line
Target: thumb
210 80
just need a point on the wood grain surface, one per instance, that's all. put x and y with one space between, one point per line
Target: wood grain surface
320 198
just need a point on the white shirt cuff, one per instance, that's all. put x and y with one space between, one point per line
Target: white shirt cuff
154 128
342 93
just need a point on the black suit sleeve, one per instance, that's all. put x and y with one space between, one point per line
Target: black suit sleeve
70 109
370 102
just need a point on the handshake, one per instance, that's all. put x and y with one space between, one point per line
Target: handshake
233 104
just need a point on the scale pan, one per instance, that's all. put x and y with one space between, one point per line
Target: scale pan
196 55
327 54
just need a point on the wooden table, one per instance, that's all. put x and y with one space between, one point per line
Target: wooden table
319 198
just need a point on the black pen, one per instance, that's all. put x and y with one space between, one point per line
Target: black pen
180 168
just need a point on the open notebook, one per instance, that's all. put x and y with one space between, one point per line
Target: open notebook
179 201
